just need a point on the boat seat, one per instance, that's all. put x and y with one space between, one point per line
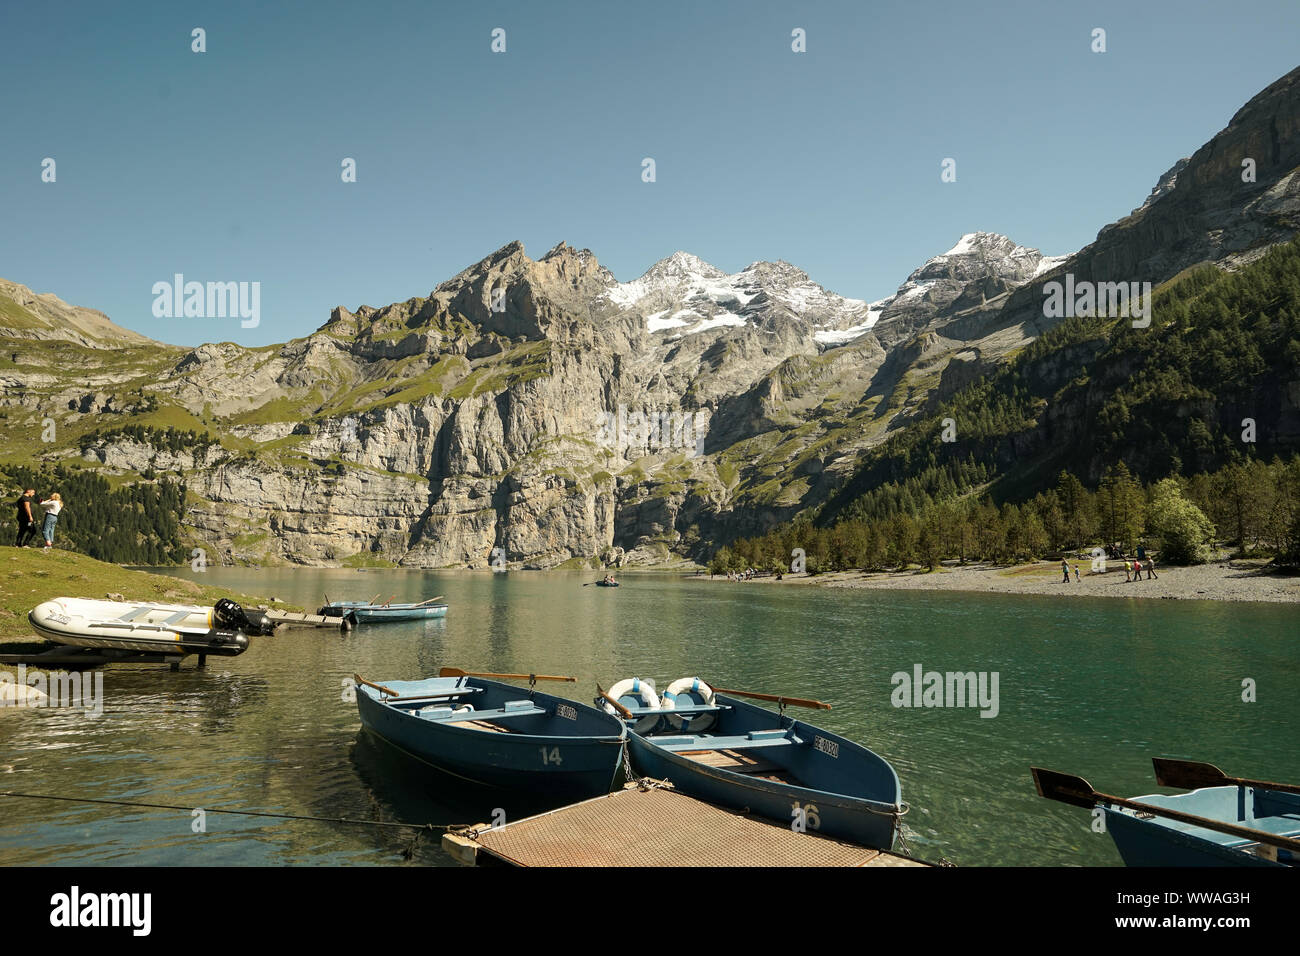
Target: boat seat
499 714
750 741
414 699
684 709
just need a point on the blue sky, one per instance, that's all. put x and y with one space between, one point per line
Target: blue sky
225 165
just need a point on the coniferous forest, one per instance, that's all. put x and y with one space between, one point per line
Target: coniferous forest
131 524
1097 434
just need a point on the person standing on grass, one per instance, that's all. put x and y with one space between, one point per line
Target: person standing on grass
52 505
1065 571
26 518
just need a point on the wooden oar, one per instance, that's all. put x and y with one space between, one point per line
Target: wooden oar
388 600
1067 788
430 601
1193 775
379 687
457 672
775 698
617 706
377 593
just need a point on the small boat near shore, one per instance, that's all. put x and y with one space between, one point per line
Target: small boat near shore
1243 823
149 628
355 611
719 748
477 728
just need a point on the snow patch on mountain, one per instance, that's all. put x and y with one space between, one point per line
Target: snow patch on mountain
683 287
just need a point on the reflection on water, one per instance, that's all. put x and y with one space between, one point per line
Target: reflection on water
1093 687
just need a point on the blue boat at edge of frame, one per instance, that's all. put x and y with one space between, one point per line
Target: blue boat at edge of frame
1156 841
772 765
497 735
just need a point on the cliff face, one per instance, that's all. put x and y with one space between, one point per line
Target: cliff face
543 408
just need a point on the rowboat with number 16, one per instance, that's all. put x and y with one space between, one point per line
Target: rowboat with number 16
722 749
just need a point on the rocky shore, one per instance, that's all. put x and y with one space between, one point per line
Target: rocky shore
1236 580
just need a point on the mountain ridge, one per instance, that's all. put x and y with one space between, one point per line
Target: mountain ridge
517 408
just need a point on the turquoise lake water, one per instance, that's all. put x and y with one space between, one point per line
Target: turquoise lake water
1093 687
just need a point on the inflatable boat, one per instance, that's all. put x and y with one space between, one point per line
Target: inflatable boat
149 628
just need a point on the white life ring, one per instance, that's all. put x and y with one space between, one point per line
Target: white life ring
696 692
636 687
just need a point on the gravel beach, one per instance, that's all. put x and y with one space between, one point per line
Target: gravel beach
1218 581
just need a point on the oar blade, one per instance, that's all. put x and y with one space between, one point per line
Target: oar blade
1188 774
451 672
1064 787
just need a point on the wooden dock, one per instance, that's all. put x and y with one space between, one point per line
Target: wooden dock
654 826
299 619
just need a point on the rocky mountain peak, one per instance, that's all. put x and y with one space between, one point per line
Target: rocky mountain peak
978 255
1166 183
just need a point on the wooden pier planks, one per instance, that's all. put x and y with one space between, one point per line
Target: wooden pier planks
657 827
298 619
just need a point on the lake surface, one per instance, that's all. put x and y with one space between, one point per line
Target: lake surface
1094 687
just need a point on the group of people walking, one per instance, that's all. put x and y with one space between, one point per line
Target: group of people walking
1135 568
27 517
1132 569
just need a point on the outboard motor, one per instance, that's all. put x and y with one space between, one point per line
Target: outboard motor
231 616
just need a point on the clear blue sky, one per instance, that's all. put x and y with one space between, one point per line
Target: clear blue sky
225 165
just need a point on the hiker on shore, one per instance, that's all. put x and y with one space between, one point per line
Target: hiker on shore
1076 574
1127 578
1065 571
26 518
1151 569
52 505
1137 570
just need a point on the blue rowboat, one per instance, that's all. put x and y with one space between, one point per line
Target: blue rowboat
1249 823
789 771
362 611
1144 840
497 735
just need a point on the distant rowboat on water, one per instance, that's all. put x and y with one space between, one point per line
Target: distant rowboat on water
354 611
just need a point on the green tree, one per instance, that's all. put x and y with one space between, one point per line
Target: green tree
1182 528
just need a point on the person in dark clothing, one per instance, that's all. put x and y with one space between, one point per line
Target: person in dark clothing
26 519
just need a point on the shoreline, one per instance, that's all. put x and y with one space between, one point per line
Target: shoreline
1235 581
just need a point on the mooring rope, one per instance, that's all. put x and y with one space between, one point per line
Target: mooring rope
241 813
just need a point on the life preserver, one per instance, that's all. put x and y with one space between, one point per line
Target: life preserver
695 691
636 687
